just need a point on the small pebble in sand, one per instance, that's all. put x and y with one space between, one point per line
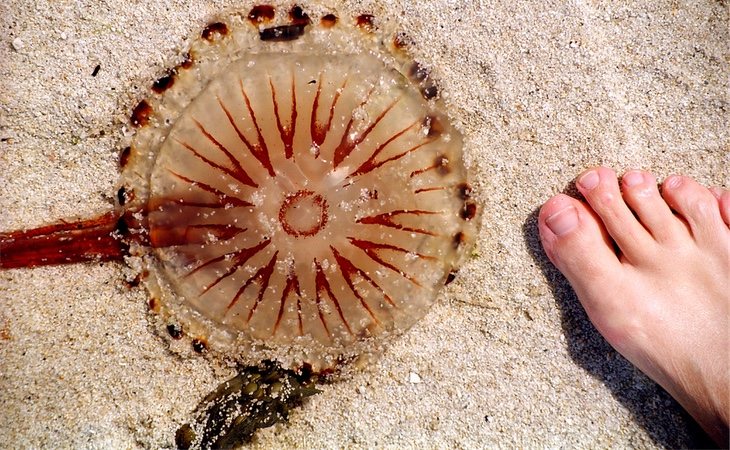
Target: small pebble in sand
414 378
18 44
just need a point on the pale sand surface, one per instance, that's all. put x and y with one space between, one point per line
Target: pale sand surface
542 90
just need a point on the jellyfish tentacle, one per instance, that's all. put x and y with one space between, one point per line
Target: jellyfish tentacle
95 239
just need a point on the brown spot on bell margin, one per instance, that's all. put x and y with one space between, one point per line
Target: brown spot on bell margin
129 194
200 345
418 73
154 304
434 125
459 240
450 277
141 114
164 83
187 62
261 13
282 33
124 156
401 41
216 28
122 196
328 20
429 91
442 165
366 22
174 330
468 211
298 16
464 191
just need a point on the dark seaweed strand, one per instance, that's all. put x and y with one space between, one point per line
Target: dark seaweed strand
257 397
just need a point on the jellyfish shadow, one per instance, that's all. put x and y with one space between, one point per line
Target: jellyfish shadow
664 420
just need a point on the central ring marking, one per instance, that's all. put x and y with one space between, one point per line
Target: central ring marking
303 213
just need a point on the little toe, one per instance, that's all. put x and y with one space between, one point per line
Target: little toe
642 195
696 204
600 188
723 199
577 243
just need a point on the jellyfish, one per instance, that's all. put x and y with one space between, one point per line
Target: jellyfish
293 192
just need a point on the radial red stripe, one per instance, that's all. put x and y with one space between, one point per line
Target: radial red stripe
370 164
260 151
239 173
292 285
348 270
387 220
317 130
321 284
371 248
346 145
222 196
262 276
286 132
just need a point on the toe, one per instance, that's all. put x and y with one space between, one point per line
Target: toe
642 195
600 188
696 204
723 199
577 243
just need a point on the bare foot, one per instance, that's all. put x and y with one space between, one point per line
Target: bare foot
663 299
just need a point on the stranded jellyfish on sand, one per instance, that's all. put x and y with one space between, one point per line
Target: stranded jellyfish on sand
292 193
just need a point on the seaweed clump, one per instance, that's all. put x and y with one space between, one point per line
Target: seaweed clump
257 397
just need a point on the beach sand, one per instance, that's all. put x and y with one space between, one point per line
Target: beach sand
541 90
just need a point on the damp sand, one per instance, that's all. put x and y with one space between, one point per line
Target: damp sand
505 358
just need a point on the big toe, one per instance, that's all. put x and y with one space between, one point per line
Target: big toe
578 244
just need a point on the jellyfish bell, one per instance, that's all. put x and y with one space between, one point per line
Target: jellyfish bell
292 192
305 195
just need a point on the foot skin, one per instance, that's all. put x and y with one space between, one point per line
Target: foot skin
662 300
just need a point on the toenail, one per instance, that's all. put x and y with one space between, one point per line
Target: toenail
633 178
589 180
563 221
673 182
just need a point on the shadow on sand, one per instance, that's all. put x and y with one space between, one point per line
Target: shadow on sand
651 407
